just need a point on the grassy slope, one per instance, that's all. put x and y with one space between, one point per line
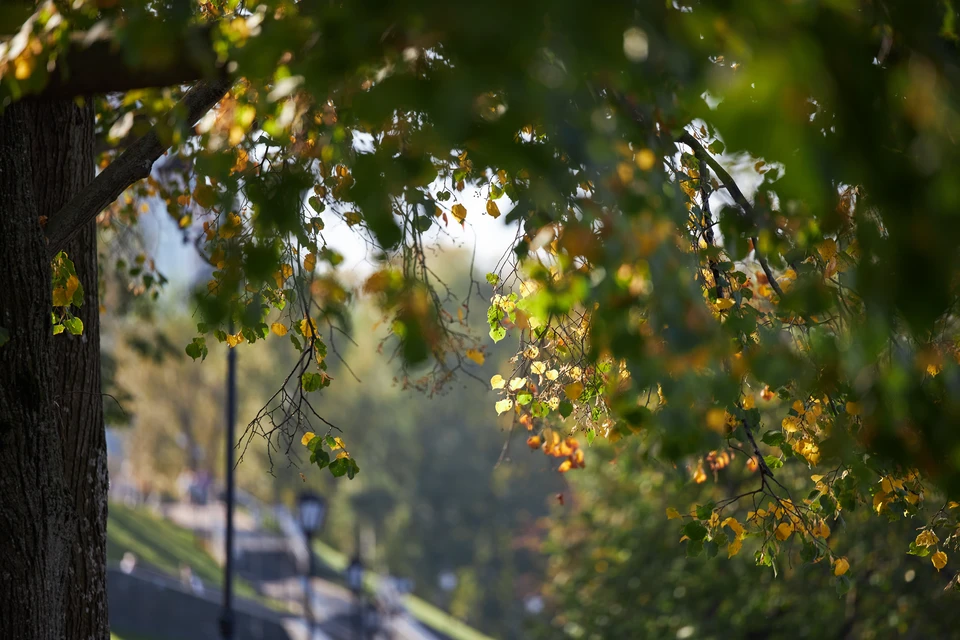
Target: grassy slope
426 613
163 546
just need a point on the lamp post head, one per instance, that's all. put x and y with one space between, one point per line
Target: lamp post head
312 509
355 575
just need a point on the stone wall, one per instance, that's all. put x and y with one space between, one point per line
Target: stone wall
157 607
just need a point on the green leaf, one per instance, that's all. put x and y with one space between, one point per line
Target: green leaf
694 548
498 333
197 348
320 457
773 462
4 336
311 381
524 398
566 408
773 438
716 147
711 547
705 511
493 279
843 585
695 531
74 325
57 329
344 466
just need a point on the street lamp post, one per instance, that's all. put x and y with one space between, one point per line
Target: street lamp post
355 582
226 611
312 509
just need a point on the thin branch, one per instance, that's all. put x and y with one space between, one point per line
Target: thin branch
738 197
132 165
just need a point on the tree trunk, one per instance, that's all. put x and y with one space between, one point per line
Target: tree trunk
53 471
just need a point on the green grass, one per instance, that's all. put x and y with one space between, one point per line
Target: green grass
423 611
163 546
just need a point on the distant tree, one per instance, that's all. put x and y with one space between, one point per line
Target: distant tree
614 573
654 291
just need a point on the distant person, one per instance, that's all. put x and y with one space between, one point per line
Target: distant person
190 581
128 563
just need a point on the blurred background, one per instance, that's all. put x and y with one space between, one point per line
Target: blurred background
453 528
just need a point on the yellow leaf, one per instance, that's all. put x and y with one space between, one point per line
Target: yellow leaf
673 514
497 382
716 420
73 283
476 355
573 390
231 227
538 368
926 539
734 547
308 328
783 531
821 530
880 500
828 249
353 218
60 298
939 560
531 352
799 408
307 437
309 262
234 340
840 566
646 159
552 374
459 212
566 464
724 303
853 408
492 209
503 406
518 383
735 526
749 402
279 328
337 444
790 424
205 196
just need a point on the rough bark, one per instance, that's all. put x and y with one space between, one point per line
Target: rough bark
33 507
53 472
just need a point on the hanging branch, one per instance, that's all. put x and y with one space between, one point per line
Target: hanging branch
130 166
727 180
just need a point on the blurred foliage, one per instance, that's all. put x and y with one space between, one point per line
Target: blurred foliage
614 571
736 224
430 491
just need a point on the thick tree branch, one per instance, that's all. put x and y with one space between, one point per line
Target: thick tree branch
94 64
132 165
738 197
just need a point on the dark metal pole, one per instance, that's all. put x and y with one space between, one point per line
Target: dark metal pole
226 613
308 612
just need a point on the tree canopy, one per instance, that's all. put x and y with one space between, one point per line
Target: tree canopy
735 222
